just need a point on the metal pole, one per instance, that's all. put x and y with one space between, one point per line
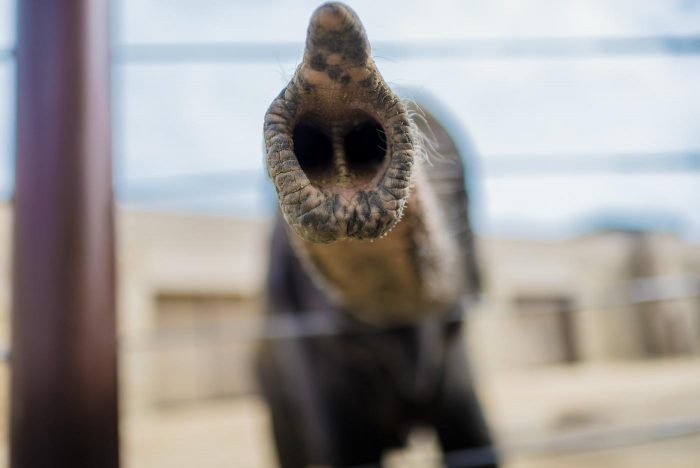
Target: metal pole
64 372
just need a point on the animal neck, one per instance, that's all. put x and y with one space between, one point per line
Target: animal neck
403 276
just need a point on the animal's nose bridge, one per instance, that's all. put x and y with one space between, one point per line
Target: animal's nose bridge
335 30
338 133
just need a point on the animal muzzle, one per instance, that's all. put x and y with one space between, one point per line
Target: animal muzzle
340 145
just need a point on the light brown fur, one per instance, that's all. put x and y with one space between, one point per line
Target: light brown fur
402 277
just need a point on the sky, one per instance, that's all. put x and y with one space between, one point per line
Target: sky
188 133
6 94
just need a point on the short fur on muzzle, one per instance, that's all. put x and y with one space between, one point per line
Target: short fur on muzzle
340 146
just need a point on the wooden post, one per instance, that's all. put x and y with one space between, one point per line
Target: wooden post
64 373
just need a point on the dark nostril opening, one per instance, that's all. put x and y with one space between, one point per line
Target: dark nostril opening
313 149
365 147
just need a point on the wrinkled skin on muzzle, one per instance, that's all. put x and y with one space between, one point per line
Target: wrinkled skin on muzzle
340 152
340 146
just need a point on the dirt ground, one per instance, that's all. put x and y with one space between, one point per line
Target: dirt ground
638 415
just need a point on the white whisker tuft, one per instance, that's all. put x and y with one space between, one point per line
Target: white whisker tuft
426 141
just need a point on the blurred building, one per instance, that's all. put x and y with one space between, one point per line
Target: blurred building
610 294
190 301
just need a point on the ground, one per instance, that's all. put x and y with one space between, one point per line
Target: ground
633 414
648 411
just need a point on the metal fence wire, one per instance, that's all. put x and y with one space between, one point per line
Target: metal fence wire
315 324
284 328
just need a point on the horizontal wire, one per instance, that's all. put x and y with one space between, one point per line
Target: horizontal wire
607 439
591 163
570 444
527 47
574 443
203 184
321 324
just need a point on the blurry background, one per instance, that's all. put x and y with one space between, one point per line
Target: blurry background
580 120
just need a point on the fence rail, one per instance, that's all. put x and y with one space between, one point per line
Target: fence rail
545 47
577 443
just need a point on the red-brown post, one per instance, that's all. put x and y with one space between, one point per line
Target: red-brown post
64 372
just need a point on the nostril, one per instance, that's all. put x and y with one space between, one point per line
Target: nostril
313 149
342 151
365 147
